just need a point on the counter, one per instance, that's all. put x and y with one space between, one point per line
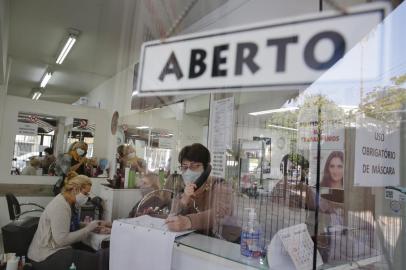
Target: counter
117 202
200 252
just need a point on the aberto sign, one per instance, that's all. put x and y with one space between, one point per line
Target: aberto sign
269 56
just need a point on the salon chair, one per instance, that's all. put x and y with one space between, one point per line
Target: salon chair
14 207
18 234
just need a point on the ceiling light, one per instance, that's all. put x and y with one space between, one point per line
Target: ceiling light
36 93
142 127
273 111
282 127
73 35
46 79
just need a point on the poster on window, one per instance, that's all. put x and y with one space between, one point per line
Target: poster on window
331 169
80 123
377 154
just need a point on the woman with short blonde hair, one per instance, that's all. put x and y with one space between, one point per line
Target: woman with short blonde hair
51 245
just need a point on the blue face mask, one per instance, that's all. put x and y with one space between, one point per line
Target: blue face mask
190 176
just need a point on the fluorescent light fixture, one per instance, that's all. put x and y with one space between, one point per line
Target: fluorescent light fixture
142 127
282 127
46 79
36 93
66 48
274 111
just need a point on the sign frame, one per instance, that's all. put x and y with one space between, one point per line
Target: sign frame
380 9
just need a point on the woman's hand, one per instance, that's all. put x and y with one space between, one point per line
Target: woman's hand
105 223
82 160
188 193
92 225
178 223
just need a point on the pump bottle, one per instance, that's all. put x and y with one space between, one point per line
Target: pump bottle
251 235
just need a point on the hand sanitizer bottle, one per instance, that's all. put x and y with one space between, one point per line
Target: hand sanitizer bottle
250 236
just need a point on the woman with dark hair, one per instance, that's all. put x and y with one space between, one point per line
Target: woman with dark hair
205 199
48 160
334 171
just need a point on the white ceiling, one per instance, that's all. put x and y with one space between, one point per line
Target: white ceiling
104 48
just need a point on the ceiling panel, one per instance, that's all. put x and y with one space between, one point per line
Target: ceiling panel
105 46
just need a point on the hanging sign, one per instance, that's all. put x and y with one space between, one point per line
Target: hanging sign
266 55
27 129
221 133
377 147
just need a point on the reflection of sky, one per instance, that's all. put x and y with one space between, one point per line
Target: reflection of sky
380 56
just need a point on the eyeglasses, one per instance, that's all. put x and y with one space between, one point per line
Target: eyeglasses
192 166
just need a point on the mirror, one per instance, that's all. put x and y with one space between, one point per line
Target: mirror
36 144
153 145
41 139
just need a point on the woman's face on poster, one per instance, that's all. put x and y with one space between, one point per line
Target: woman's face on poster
336 169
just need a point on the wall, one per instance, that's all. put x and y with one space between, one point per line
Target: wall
12 105
4 36
16 104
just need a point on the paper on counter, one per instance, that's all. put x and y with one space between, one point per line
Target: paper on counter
141 243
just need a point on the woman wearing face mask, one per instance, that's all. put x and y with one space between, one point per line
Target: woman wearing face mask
205 199
51 245
73 161
149 182
131 160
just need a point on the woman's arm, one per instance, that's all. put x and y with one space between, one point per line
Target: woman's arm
60 223
76 166
221 206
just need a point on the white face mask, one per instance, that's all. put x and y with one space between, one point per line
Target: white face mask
190 176
131 155
80 151
81 199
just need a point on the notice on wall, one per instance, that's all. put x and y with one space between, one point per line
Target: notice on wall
267 55
221 133
166 143
377 147
218 164
27 129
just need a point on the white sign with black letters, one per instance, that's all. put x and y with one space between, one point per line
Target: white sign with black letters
266 55
221 133
27 129
377 149
166 143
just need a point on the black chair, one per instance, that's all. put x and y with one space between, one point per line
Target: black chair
14 207
18 234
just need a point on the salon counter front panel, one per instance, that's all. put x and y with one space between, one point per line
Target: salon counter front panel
200 252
